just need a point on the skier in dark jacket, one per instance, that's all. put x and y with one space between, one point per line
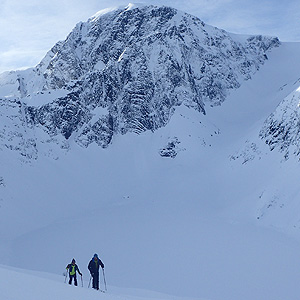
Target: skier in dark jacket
72 267
93 267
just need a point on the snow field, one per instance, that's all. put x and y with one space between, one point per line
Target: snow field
17 284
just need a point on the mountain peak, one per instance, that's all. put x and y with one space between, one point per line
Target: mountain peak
102 12
138 64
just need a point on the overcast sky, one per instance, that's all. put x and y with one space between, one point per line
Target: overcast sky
29 28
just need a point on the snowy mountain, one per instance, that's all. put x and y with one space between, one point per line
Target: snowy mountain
127 70
167 146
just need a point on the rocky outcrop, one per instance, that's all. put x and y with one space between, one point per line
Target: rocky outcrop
282 128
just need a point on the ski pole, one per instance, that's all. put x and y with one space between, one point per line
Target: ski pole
81 281
66 274
90 281
104 279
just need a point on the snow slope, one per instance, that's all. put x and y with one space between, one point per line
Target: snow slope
185 226
36 286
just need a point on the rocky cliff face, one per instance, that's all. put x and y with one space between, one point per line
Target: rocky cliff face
281 130
126 71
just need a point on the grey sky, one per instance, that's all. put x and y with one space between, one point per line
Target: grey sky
29 28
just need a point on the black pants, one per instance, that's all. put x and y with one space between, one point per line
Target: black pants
95 280
71 278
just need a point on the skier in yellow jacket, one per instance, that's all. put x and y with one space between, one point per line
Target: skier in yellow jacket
72 267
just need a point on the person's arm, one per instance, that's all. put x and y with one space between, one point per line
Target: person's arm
101 263
78 271
90 267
